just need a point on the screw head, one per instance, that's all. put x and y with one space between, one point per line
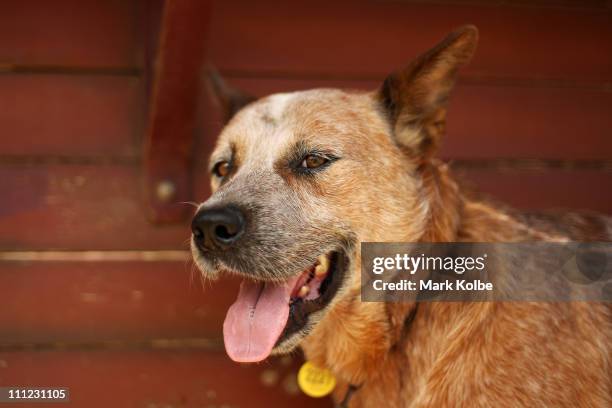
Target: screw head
165 191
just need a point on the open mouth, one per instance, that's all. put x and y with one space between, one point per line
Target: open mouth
267 313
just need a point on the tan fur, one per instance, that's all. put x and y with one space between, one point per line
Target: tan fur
471 354
388 187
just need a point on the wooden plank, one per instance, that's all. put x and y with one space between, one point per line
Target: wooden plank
70 115
80 301
497 121
377 37
573 4
79 207
102 116
128 379
75 33
100 207
579 190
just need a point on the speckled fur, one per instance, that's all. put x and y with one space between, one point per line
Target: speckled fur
387 186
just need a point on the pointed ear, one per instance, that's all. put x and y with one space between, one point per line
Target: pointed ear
415 98
230 100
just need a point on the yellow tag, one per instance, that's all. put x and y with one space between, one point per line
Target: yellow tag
314 381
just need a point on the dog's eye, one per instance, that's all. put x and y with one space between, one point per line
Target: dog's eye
312 161
221 169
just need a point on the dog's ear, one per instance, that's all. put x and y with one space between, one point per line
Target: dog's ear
415 98
230 100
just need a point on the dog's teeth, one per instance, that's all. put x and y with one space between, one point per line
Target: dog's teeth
303 292
322 266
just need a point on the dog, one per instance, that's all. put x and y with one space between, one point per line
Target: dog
301 179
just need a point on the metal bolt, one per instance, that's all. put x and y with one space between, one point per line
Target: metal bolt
165 191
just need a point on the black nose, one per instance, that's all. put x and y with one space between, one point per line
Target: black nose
218 228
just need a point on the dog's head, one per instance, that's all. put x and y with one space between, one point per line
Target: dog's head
300 179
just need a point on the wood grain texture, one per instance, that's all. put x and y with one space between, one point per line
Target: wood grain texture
110 301
185 379
376 37
70 115
568 190
74 33
173 102
80 207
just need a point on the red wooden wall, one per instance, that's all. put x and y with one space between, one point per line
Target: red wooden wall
95 297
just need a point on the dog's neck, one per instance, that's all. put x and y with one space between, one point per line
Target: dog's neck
357 349
445 203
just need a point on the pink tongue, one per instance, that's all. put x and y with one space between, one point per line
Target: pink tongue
256 320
